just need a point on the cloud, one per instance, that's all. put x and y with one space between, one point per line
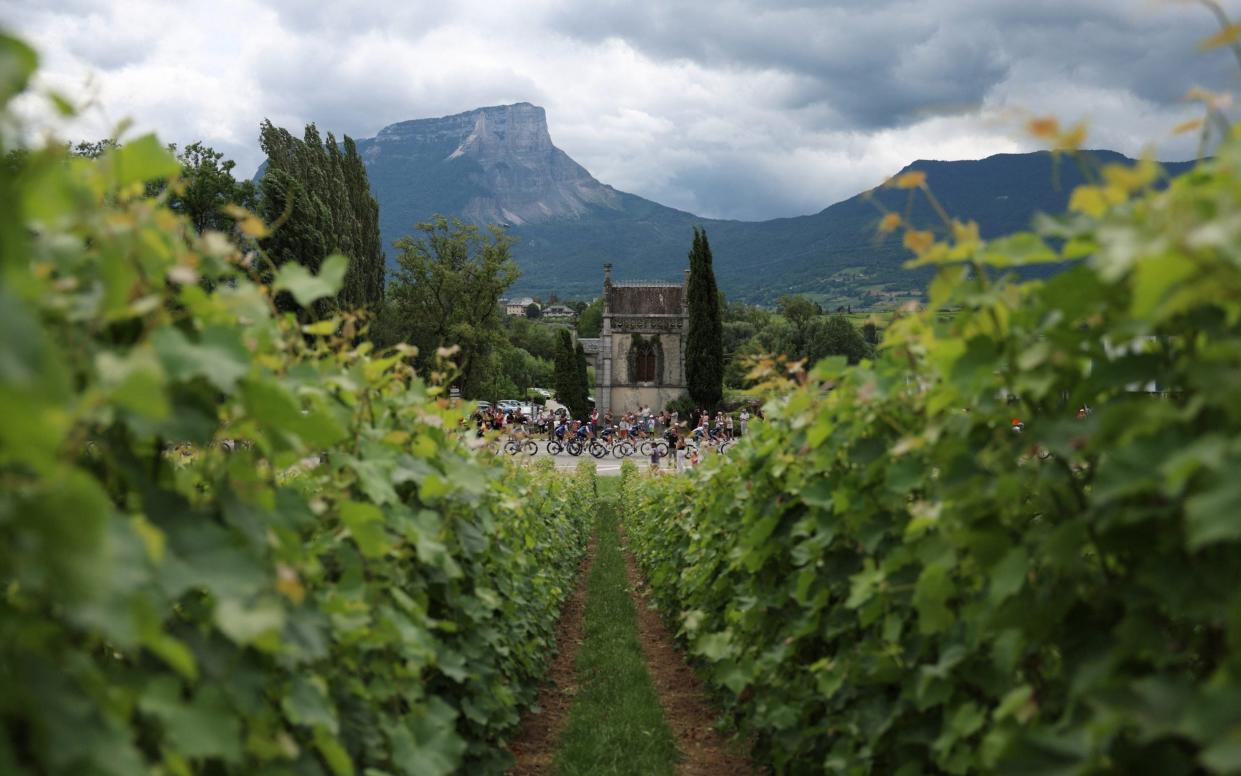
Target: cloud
727 108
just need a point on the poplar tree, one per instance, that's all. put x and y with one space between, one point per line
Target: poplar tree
704 341
318 199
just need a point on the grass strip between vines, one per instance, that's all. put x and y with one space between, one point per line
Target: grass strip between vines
616 725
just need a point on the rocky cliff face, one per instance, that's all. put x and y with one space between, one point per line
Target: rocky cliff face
490 165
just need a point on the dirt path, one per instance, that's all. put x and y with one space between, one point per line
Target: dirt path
681 695
538 734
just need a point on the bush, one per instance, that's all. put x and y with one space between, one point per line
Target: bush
683 405
230 543
883 577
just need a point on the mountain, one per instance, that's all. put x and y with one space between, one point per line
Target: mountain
499 165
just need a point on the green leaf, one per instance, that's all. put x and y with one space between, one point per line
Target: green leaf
174 653
931 596
335 755
864 584
307 288
1214 516
219 356
1017 703
375 478
438 747
307 703
205 727
1157 278
142 160
1009 574
715 646
966 719
323 328
366 524
1223 756
254 623
135 381
279 411
17 63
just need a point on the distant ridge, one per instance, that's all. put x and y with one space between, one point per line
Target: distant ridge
499 165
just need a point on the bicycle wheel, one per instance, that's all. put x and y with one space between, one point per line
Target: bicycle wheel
554 447
622 450
645 447
530 447
512 447
573 447
661 448
597 449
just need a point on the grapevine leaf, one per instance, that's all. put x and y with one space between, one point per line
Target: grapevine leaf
366 524
1214 515
307 288
219 356
141 160
1009 574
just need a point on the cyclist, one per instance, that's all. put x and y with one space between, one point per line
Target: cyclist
702 430
583 432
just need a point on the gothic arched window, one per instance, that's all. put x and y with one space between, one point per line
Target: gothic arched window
644 363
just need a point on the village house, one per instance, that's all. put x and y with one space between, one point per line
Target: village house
558 312
517 307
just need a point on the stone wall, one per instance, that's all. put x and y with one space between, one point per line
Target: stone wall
627 395
627 399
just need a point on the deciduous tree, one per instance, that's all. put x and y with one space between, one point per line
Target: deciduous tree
446 292
207 185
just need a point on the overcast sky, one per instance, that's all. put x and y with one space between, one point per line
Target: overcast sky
727 108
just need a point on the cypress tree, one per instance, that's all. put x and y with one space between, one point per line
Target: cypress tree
704 341
583 382
565 373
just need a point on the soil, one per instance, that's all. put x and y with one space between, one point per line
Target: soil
538 733
681 694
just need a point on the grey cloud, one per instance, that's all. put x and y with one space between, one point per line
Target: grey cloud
883 64
728 108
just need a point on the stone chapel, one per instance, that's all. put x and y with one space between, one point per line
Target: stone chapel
639 356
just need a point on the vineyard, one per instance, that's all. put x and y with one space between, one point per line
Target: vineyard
889 578
236 540
230 541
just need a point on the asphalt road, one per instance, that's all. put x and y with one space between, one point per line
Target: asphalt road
608 466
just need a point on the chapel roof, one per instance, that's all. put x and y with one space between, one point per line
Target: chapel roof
590 344
644 298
